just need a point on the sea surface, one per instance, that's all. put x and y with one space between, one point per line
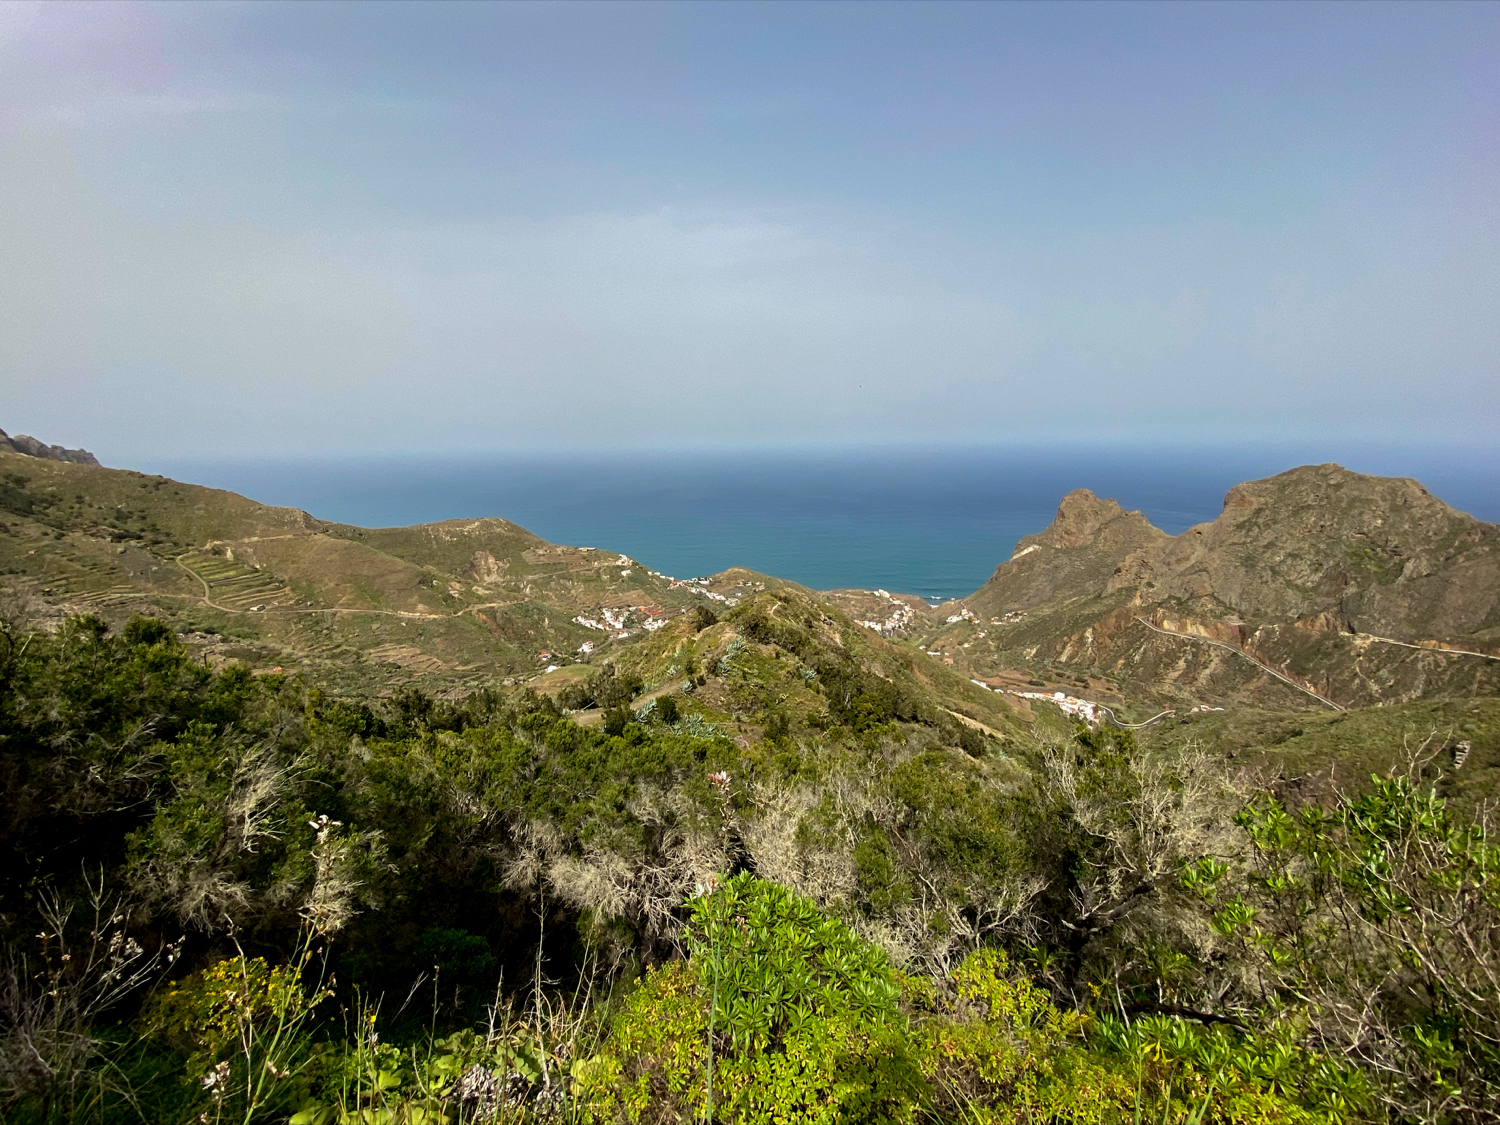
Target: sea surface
934 522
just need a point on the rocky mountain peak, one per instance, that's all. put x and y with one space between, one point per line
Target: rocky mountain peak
1346 495
1380 554
1079 518
31 447
1072 556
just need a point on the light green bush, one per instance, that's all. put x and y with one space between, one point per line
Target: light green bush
782 1015
1002 1053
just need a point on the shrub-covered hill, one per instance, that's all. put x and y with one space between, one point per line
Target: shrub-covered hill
234 895
785 663
1312 756
454 606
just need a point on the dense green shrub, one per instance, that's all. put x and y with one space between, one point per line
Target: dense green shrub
781 1015
1378 918
1310 966
667 710
1001 1052
604 689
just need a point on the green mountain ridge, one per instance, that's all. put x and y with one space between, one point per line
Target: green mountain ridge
468 601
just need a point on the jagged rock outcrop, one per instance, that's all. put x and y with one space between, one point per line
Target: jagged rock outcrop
31 447
1074 556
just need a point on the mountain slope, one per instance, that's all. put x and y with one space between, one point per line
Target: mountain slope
30 447
1379 555
1074 556
1361 589
458 604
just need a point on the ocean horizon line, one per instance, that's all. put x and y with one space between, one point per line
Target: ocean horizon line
932 522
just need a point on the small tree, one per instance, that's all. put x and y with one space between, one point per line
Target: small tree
616 718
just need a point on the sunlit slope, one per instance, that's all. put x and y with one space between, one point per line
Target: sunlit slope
459 603
454 605
1360 589
1311 755
784 659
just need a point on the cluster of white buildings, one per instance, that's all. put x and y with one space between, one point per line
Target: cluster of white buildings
1080 708
617 620
697 585
964 614
900 618
1008 618
1069 705
610 620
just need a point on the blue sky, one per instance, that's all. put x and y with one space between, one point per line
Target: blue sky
290 229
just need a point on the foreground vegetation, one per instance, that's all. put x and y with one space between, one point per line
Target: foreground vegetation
228 897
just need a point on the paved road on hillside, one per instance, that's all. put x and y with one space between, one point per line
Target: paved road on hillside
1132 726
1425 648
1241 652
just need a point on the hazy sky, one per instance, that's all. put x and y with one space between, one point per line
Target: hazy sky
242 228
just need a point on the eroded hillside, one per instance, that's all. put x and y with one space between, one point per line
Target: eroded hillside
1318 582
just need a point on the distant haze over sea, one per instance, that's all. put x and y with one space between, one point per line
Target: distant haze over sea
930 522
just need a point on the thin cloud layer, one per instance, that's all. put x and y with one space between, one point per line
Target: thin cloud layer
273 230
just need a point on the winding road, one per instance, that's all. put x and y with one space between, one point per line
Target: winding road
1132 726
1425 648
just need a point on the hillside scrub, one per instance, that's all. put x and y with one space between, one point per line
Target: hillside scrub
323 909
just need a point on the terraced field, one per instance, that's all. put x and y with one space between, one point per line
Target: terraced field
76 579
106 599
234 586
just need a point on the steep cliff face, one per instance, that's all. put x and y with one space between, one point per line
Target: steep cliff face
1074 556
1334 549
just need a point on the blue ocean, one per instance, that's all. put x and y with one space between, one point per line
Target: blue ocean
933 522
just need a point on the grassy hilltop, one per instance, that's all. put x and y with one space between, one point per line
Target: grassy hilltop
309 823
